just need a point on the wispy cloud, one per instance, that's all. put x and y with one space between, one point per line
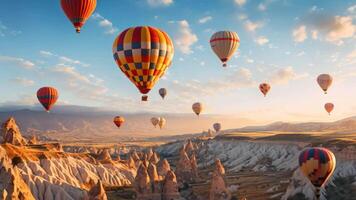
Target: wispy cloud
184 37
205 19
105 23
252 26
156 3
4 30
63 59
284 75
300 34
240 2
262 40
21 62
22 81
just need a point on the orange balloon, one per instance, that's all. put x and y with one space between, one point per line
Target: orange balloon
118 120
264 88
329 107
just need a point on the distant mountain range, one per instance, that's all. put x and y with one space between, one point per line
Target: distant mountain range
76 123
344 125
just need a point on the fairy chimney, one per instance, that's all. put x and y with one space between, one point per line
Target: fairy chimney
142 184
33 140
104 155
155 182
218 190
11 133
135 156
170 187
189 148
97 192
131 163
154 158
163 167
184 169
149 153
194 165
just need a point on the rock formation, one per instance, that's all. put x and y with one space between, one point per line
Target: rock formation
218 190
189 148
11 133
184 168
12 186
194 165
154 158
149 153
104 156
33 140
170 187
97 192
163 167
131 163
155 182
135 156
142 184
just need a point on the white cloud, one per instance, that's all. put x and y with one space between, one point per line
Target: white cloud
4 30
46 53
105 23
17 61
262 7
240 2
352 9
314 34
284 75
302 53
340 28
300 34
262 40
252 26
156 3
242 17
185 38
202 63
205 19
23 81
249 60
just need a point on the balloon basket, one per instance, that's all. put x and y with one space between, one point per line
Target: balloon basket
144 98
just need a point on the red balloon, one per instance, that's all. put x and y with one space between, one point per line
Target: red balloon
47 96
118 120
78 11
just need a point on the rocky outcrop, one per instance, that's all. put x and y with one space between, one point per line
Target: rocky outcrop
142 184
194 165
170 187
163 167
33 140
219 167
12 186
189 147
97 192
154 158
11 133
105 156
218 190
184 169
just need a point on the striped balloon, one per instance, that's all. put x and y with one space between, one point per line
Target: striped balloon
317 164
78 11
47 96
224 44
143 54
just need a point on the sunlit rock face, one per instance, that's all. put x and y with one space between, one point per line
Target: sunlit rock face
11 133
218 189
170 187
184 169
163 167
97 192
33 140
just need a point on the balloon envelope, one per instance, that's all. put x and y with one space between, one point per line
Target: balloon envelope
161 122
197 108
78 11
324 81
118 120
317 164
47 96
264 88
154 121
143 54
224 44
329 107
162 92
217 127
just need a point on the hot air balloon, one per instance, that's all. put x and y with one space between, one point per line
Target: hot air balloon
224 44
162 122
154 121
118 120
217 127
143 54
329 107
162 92
264 88
317 164
78 11
47 96
324 81
197 108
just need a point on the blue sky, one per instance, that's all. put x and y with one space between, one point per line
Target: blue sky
286 43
